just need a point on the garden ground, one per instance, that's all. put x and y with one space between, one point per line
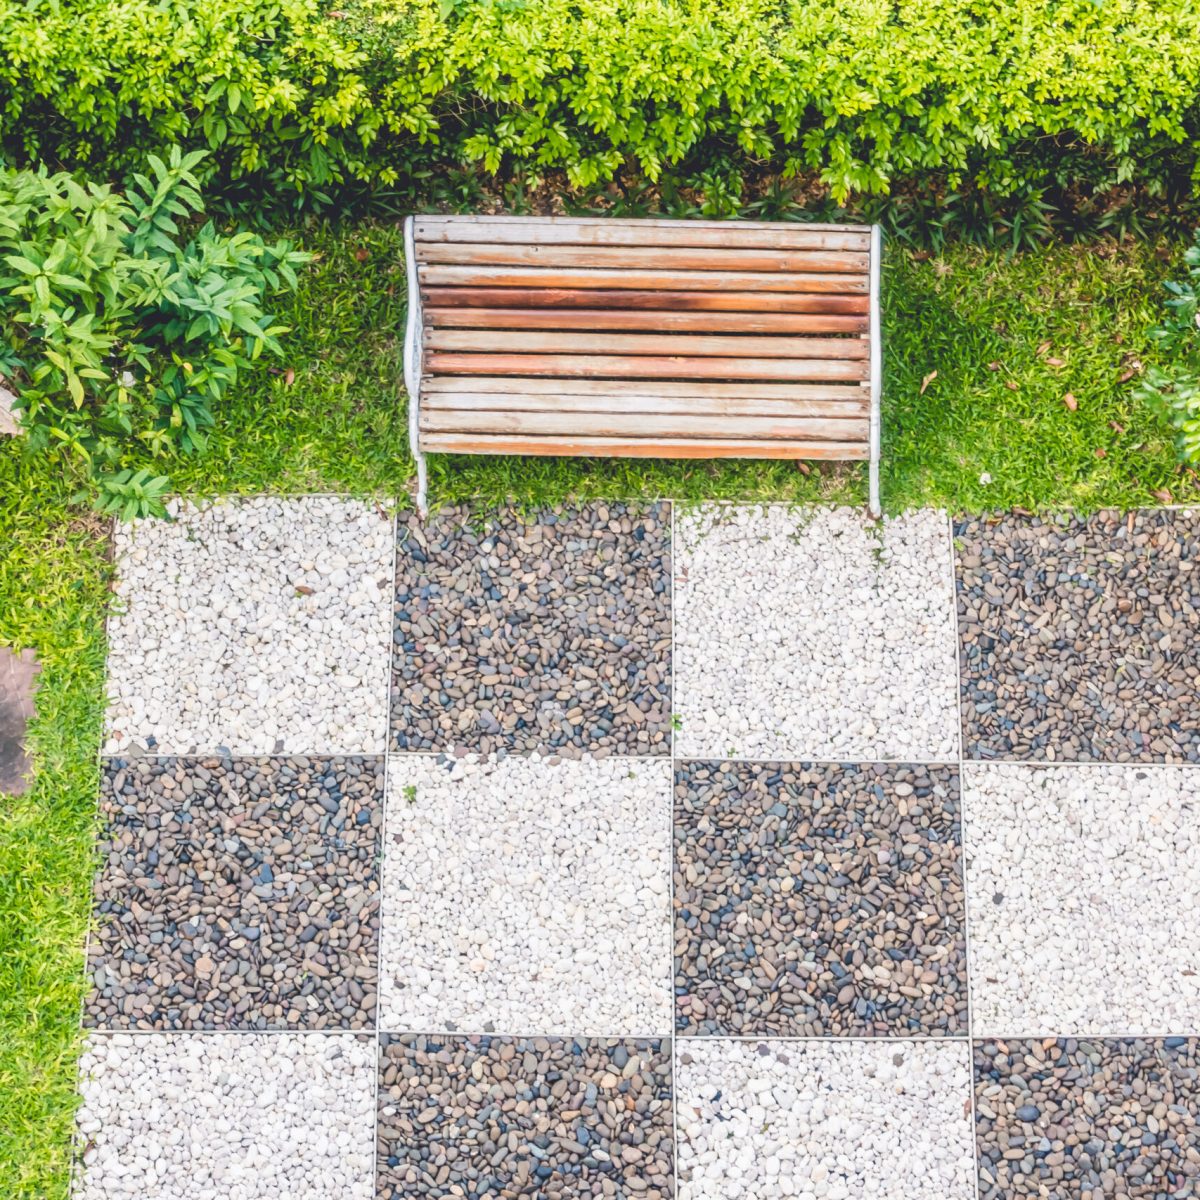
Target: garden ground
980 352
627 849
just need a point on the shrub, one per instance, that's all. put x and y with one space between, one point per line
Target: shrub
119 331
1175 385
1070 104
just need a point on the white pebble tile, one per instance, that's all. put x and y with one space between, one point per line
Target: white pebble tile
227 1117
526 896
1083 885
262 625
814 633
840 1120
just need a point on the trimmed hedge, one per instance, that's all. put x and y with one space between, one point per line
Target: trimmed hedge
859 96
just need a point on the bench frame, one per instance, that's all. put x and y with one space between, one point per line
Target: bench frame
413 356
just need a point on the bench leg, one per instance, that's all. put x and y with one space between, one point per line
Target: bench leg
873 507
422 487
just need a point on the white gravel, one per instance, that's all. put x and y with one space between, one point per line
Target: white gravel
227 1117
1083 887
824 1120
261 625
814 633
526 896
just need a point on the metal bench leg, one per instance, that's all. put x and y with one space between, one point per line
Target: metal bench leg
412 369
873 506
422 486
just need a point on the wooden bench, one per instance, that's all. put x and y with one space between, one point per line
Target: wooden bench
651 339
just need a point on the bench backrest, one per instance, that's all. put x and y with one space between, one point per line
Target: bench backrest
536 335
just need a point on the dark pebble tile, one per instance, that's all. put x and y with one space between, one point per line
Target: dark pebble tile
549 632
237 894
1088 1119
1080 638
486 1116
818 899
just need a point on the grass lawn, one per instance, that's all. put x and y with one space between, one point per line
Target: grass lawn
996 342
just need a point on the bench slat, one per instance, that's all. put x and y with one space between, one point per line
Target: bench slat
628 366
603 231
434 274
433 298
654 320
464 443
482 341
690 390
644 258
622 425
854 405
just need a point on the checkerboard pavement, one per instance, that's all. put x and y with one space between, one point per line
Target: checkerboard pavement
620 851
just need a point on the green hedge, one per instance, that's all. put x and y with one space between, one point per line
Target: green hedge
1020 98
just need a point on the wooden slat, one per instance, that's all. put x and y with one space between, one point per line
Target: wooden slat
691 390
465 443
605 231
644 425
853 405
627 366
434 275
478 341
640 319
644 258
635 298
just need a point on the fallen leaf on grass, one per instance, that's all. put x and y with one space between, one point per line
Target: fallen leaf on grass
1100 452
1043 349
1055 362
804 468
1162 496
362 254
1132 368
1070 401
1011 384
1115 427
993 366
289 377
927 381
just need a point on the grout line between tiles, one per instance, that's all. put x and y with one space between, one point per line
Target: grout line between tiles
377 1058
366 1031
962 861
75 1167
672 667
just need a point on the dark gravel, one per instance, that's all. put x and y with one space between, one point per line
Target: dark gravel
818 899
1088 1119
503 1117
237 894
518 633
1080 637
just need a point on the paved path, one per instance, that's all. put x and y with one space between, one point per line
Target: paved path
631 852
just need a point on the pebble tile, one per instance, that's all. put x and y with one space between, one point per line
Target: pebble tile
814 633
1089 1120
251 626
1084 885
237 894
1080 637
171 1116
546 632
818 899
526 895
850 1120
495 1117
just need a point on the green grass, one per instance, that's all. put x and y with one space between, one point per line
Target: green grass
339 425
53 585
